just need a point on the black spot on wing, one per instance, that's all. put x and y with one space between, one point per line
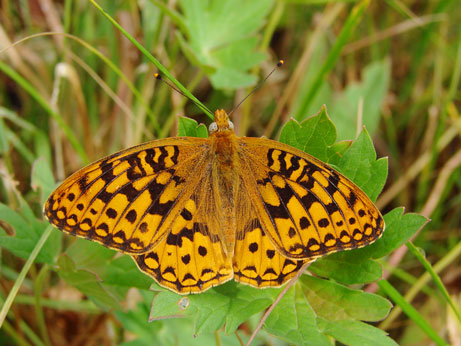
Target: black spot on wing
131 216
202 251
177 239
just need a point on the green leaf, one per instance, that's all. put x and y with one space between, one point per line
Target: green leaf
347 268
333 301
189 127
357 333
399 229
223 38
295 321
122 272
167 304
27 232
245 302
230 304
211 311
117 275
360 165
313 136
89 255
337 150
166 331
87 282
42 178
372 90
136 320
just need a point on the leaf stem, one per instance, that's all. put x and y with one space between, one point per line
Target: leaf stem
14 291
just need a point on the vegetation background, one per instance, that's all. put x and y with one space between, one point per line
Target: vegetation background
74 88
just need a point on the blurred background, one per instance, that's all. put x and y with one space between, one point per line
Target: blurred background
73 88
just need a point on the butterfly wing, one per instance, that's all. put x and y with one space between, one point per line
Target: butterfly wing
127 201
256 261
191 258
306 208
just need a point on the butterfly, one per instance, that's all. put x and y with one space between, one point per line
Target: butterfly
194 213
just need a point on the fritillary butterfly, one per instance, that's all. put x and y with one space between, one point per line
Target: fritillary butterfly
196 212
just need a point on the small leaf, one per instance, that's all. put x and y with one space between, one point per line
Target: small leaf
294 320
399 229
167 304
223 39
211 311
42 178
123 272
333 301
360 165
347 268
245 302
86 282
89 255
357 333
313 136
372 90
27 232
189 127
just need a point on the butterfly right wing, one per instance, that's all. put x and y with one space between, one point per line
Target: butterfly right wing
128 200
306 208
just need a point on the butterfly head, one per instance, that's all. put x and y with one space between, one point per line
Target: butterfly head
221 122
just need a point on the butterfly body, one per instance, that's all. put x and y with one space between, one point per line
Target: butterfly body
196 212
225 165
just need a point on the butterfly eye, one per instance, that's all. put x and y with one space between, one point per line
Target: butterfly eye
213 127
231 125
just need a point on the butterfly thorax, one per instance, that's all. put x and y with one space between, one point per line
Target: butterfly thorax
225 180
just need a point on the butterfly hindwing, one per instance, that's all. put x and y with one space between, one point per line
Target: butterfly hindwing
190 259
306 208
256 261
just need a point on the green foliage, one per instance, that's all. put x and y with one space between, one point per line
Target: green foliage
223 40
314 135
189 127
27 231
371 90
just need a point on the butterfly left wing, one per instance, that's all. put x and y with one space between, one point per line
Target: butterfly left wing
306 208
128 200
191 258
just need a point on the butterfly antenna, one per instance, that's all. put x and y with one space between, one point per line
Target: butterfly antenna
280 63
203 107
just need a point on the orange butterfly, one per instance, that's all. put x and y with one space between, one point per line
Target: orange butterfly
196 212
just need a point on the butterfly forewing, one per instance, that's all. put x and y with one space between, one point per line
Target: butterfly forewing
306 208
128 200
